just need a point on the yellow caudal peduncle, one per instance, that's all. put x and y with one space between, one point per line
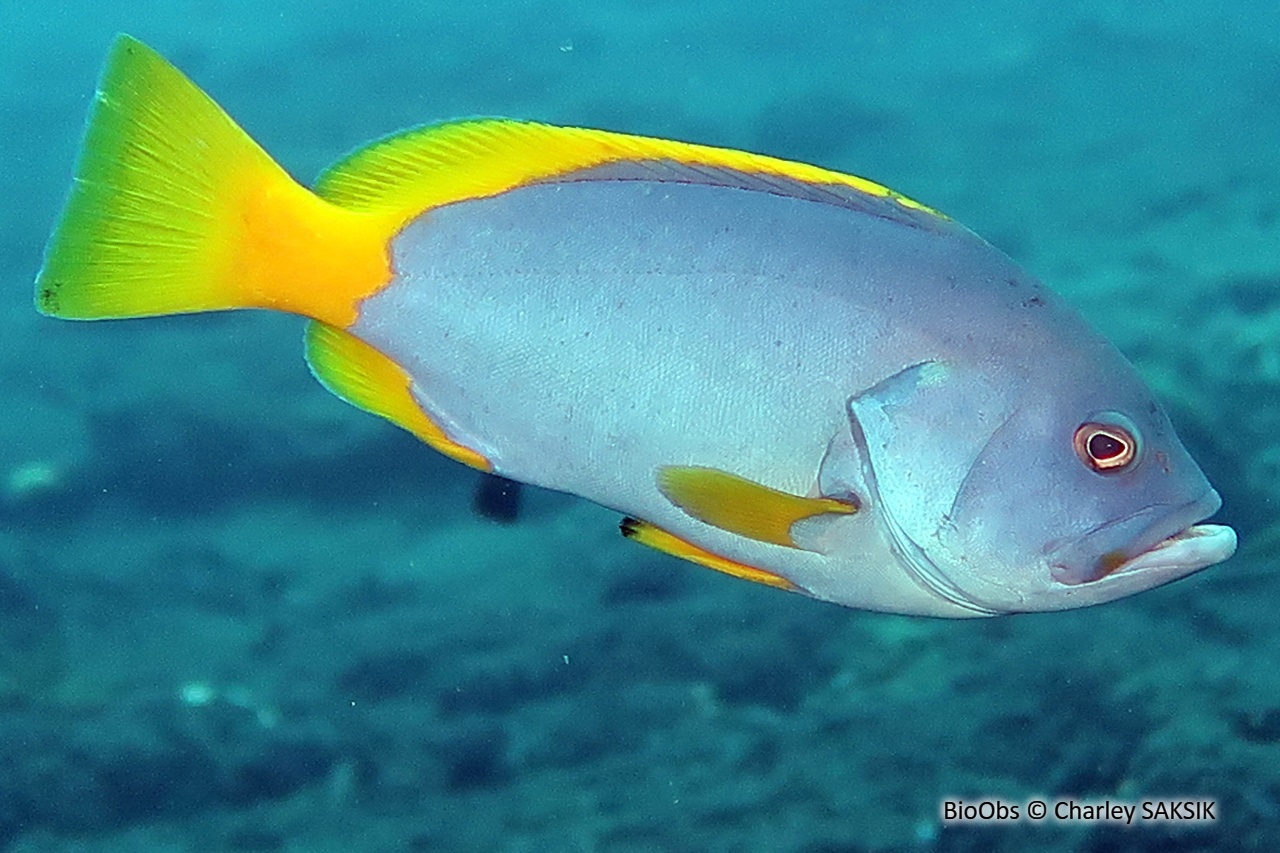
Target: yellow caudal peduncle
176 209
296 252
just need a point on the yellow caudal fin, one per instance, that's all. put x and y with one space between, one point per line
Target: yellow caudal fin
175 209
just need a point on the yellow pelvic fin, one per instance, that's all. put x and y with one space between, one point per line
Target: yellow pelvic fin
668 543
425 167
364 377
741 506
176 209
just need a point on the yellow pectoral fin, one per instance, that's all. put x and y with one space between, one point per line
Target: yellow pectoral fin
668 543
364 377
741 506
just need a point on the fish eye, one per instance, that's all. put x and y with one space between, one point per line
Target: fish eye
1106 446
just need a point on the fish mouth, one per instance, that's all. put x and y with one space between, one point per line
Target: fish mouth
1187 551
1160 543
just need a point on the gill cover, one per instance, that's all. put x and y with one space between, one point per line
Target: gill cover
919 433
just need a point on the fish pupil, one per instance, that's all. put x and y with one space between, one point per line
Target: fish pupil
1103 446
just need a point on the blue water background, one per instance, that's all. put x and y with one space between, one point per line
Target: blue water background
236 614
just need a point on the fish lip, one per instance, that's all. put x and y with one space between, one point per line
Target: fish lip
1166 542
1197 547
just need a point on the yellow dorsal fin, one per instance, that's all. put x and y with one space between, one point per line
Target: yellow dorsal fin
739 505
426 167
364 377
668 543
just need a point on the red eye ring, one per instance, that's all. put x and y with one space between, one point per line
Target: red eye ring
1105 447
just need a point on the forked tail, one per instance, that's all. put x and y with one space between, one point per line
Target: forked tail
175 209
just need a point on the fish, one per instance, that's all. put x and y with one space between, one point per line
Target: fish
497 499
785 373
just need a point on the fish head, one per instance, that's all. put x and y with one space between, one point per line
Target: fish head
1032 489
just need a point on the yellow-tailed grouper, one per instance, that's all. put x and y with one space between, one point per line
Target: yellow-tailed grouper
781 372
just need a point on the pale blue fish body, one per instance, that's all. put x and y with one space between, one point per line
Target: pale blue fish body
582 334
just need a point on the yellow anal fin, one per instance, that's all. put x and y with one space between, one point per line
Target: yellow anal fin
742 506
668 543
364 377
